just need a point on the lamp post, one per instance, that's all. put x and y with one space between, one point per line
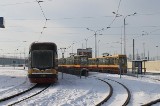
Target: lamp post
63 51
2 58
125 31
157 52
86 42
144 57
72 47
98 47
95 34
124 22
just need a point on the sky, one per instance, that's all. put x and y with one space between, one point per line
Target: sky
65 23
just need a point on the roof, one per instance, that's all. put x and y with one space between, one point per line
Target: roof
43 46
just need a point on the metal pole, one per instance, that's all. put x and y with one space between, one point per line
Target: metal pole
121 39
86 43
133 50
124 36
157 52
63 51
98 47
95 45
144 50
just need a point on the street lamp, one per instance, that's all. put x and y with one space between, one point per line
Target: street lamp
86 42
125 32
95 34
63 51
72 47
119 15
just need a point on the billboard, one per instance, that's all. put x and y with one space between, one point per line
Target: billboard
87 51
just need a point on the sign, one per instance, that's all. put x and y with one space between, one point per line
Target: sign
2 22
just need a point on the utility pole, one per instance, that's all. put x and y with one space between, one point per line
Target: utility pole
95 35
63 51
124 24
133 50
86 42
125 31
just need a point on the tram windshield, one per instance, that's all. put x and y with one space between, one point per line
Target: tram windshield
122 61
84 60
42 59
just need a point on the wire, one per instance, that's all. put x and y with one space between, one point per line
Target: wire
158 13
16 3
46 19
115 15
41 8
119 5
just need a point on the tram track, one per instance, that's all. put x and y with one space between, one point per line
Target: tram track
15 99
127 90
109 95
153 101
127 100
44 87
17 94
15 90
13 87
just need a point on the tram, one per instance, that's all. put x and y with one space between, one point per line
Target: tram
109 64
76 64
43 62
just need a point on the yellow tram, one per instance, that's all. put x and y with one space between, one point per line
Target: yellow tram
43 63
109 64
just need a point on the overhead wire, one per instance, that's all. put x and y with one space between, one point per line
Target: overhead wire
107 26
115 14
46 19
17 3
65 18
41 8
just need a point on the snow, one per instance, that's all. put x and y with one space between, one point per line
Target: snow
73 91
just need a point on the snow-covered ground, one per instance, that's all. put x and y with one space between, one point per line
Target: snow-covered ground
73 91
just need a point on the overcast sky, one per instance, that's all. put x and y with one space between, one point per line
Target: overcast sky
67 21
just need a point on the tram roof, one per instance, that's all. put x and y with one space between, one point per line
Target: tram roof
112 56
43 46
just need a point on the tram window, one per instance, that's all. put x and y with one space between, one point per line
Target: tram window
111 61
100 61
64 61
76 61
117 61
42 58
83 59
122 61
93 62
104 61
107 61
